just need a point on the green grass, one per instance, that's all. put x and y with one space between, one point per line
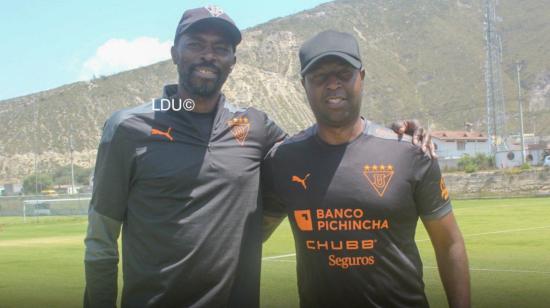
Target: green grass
508 244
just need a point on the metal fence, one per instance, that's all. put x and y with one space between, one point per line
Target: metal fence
61 205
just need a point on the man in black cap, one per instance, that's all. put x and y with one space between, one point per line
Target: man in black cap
353 192
182 186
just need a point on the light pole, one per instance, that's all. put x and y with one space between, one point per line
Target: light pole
71 149
518 68
36 129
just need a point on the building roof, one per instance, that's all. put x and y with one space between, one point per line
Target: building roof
450 135
538 146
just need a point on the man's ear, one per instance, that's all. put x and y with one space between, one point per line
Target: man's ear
362 73
233 65
303 80
174 55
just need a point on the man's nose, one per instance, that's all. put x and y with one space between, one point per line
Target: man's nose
333 82
208 54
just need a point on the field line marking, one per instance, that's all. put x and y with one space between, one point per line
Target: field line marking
499 270
495 232
279 257
490 207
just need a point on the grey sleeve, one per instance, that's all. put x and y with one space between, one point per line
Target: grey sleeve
107 209
101 261
431 195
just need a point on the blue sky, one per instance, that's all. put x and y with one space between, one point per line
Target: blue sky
50 43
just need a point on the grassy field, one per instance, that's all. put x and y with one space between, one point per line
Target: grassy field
508 243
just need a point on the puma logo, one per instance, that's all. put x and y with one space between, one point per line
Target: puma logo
297 179
166 134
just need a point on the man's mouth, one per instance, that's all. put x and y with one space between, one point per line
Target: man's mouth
334 102
205 72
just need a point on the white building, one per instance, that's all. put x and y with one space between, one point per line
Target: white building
534 155
450 146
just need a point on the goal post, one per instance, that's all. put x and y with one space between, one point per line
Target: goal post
38 206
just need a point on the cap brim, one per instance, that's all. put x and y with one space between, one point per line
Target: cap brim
351 60
233 31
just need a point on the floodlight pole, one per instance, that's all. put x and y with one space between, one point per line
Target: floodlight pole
35 148
72 162
518 68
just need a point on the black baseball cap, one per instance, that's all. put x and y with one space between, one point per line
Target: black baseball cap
209 14
329 43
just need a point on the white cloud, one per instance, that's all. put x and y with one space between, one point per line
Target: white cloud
118 55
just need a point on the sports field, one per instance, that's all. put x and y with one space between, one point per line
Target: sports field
508 243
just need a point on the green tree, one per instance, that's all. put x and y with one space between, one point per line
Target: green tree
40 181
62 175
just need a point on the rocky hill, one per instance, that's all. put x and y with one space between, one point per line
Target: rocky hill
423 58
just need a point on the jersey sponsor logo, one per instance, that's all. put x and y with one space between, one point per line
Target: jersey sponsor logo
347 219
444 190
239 128
301 181
214 10
347 262
303 220
355 234
379 177
349 245
167 134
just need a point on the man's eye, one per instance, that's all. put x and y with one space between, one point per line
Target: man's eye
222 49
194 45
318 78
345 75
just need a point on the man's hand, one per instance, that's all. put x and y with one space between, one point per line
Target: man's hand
420 136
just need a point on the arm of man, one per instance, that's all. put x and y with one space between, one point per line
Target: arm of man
101 261
105 216
452 260
272 207
435 209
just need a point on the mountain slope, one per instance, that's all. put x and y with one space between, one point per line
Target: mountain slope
423 58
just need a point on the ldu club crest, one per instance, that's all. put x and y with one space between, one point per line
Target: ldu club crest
239 128
379 177
215 11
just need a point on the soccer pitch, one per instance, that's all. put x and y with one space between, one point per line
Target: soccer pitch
508 243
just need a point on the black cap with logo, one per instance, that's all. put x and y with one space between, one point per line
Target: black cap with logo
329 43
208 14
